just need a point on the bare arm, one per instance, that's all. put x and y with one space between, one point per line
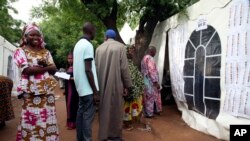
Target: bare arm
89 73
51 69
38 70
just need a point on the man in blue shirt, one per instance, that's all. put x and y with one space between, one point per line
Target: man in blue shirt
86 82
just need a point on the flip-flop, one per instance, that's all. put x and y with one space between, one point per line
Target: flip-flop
147 128
71 128
128 127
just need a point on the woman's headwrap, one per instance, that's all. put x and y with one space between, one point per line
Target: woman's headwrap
26 30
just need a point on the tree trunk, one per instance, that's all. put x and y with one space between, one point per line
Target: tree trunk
142 41
110 19
110 23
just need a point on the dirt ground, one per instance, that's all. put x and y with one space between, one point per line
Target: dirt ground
167 127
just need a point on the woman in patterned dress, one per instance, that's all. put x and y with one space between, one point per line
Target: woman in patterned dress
36 87
133 107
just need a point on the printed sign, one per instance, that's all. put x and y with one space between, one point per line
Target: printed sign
201 23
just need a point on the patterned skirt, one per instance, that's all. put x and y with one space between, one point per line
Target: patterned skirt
132 109
38 119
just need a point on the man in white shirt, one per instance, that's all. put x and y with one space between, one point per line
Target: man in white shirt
86 82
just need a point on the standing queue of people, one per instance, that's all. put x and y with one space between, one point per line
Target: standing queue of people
106 78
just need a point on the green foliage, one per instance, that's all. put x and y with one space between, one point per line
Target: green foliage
137 81
63 19
136 12
62 27
9 27
142 11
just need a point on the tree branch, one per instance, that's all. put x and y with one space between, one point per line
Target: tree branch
114 11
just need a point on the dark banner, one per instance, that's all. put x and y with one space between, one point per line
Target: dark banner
202 72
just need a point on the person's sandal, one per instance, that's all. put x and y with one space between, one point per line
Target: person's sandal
129 128
147 128
70 128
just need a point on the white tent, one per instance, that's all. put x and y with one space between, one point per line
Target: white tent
7 68
209 64
127 34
